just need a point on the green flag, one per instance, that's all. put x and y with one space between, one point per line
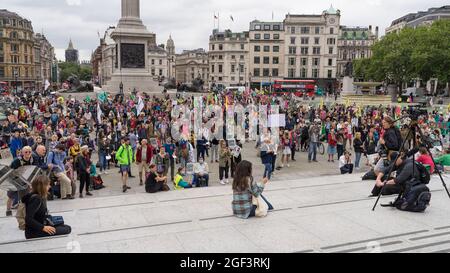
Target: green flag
88 99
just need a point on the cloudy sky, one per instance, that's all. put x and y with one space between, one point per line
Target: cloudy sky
191 21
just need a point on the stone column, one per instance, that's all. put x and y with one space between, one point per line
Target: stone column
130 8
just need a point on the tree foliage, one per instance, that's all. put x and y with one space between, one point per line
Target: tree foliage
68 69
423 52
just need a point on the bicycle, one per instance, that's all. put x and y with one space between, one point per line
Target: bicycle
320 148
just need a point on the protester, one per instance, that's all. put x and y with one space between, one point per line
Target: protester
245 189
56 158
125 158
224 162
155 182
179 182
84 169
144 156
37 220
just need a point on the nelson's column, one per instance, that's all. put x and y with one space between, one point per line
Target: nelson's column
131 69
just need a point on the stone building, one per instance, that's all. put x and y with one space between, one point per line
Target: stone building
72 54
311 47
354 43
45 61
228 58
419 19
266 53
159 62
171 55
190 65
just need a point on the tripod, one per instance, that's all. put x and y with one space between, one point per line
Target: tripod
414 128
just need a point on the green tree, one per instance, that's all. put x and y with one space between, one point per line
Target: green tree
69 69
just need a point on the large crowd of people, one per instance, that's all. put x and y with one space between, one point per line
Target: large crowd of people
162 138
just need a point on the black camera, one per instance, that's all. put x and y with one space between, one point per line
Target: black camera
416 111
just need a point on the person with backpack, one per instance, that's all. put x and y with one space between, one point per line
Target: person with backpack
412 178
37 222
125 158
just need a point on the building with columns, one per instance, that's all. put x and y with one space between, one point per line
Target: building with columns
354 43
228 58
311 47
159 62
190 65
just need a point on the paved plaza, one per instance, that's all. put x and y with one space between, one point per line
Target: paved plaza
316 210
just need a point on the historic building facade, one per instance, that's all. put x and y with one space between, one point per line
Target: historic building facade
419 19
311 47
190 65
72 54
266 53
228 58
354 43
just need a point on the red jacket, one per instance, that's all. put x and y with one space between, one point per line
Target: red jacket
149 154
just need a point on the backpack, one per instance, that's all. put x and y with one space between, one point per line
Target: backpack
416 198
21 214
424 173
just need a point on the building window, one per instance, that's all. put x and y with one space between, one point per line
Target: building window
153 62
241 68
330 62
221 47
315 73
233 57
1 46
276 27
331 41
275 72
257 36
14 48
232 79
256 72
305 41
160 72
2 58
291 73
266 48
257 60
316 50
304 30
160 62
241 57
213 47
220 68
220 57
292 40
331 30
316 61
304 61
276 49
304 50
330 50
317 30
212 69
276 60
153 72
292 50
266 60
276 36
317 40
292 30
266 27
26 59
303 73
266 72
257 48
220 79
233 68
266 36
258 27
330 74
2 72
242 46
292 61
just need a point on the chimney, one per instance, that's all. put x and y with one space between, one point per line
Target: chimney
377 30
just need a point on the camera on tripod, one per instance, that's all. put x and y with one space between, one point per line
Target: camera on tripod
415 112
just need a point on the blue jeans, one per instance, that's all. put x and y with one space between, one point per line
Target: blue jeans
103 161
253 211
357 160
268 170
312 154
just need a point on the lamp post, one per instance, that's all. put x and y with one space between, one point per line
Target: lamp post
121 88
270 83
16 80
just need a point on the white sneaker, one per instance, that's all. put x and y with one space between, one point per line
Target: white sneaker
222 183
227 182
105 172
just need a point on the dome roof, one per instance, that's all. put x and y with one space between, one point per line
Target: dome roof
332 11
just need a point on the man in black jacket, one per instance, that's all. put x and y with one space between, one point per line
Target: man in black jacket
392 138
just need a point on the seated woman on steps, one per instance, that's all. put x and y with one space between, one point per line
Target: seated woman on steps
37 224
244 189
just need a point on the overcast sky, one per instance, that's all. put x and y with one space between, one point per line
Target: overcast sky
191 21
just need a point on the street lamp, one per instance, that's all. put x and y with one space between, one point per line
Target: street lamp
16 80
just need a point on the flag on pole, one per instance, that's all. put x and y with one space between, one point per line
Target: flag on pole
102 97
231 17
141 106
47 85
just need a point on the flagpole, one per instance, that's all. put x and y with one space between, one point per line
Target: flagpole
218 21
